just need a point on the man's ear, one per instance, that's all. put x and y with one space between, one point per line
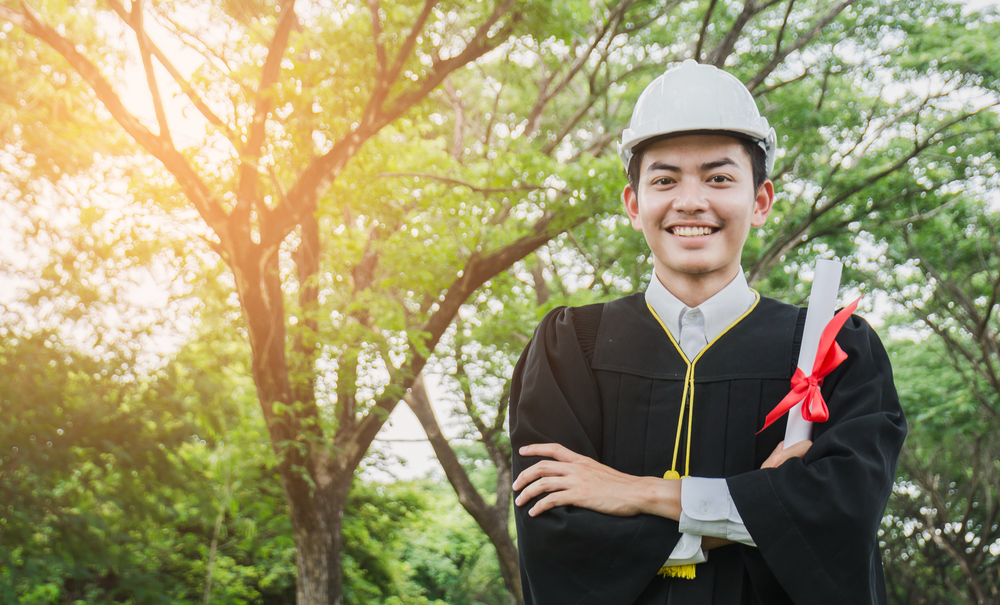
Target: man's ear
763 202
631 202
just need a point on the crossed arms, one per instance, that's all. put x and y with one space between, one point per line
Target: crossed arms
573 479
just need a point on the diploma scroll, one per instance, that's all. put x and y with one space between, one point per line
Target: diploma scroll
822 303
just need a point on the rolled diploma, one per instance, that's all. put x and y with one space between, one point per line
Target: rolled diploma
822 303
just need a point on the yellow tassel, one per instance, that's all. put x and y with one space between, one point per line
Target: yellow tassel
677 571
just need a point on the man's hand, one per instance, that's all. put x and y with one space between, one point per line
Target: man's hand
571 478
780 454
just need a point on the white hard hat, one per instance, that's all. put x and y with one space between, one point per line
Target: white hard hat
694 97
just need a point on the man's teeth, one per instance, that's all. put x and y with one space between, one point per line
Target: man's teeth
692 231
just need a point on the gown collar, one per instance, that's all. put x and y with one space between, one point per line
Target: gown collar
720 311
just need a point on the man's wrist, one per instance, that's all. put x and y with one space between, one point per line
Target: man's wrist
661 497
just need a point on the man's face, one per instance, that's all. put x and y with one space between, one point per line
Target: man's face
695 205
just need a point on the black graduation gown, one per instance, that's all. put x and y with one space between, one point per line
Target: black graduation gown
606 382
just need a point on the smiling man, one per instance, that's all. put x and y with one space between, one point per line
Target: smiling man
641 476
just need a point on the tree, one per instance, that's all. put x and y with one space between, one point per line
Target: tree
252 201
941 533
945 269
493 518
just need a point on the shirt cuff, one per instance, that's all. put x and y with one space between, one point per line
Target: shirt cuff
708 509
688 551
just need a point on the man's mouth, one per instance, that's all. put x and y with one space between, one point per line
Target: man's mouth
691 231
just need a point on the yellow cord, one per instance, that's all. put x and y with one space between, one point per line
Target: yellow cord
687 401
690 406
680 422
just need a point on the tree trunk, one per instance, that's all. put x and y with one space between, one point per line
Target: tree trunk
318 525
493 520
316 497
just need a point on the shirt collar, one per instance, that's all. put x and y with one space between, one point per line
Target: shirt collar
721 310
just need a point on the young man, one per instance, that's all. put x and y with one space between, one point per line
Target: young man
611 403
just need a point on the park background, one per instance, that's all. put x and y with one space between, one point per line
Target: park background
241 239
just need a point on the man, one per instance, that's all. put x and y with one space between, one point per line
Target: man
611 403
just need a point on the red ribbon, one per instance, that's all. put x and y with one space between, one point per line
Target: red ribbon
829 355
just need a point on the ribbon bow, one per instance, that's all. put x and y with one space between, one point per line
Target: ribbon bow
806 389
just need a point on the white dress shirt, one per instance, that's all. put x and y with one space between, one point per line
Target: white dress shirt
707 508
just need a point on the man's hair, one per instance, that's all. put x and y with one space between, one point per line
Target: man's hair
758 161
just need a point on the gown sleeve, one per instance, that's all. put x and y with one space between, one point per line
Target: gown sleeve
570 554
815 519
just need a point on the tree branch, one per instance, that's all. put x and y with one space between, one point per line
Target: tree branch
194 188
924 216
596 95
656 16
135 22
779 56
784 24
470 499
411 40
785 243
477 271
613 17
458 183
457 106
322 170
704 29
249 179
479 45
724 48
490 519
184 85
376 19
763 92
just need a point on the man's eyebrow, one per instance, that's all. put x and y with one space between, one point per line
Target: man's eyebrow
662 166
704 167
717 164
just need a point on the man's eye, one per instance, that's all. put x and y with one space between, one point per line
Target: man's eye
719 179
663 181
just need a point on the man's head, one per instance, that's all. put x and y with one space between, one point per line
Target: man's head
697 153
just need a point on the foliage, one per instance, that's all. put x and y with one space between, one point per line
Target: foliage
119 507
110 490
941 533
449 557
944 535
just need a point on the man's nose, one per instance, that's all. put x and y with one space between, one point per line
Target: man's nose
690 196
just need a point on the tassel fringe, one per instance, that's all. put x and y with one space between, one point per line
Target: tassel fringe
677 571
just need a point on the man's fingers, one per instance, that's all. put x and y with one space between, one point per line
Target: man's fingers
545 468
551 501
798 450
550 450
560 454
781 453
543 485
